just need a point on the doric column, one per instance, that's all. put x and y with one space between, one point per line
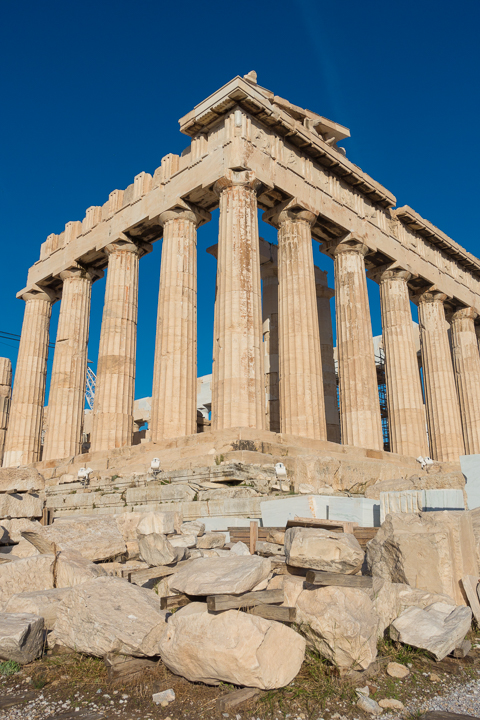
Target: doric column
466 364
443 414
238 397
360 420
22 445
324 294
406 412
66 403
302 406
174 395
5 397
270 344
115 386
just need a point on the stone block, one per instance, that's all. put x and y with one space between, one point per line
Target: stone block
363 511
20 505
159 493
22 479
439 628
320 549
11 530
21 637
27 574
38 602
220 575
470 465
210 541
232 647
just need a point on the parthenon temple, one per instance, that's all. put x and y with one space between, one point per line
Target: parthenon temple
274 378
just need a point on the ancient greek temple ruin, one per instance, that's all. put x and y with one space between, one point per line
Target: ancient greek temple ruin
273 368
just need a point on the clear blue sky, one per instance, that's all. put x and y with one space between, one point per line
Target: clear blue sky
91 93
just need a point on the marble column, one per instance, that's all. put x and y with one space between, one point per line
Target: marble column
5 397
302 405
270 344
66 403
406 412
23 441
112 422
443 413
238 397
466 365
332 417
360 421
174 395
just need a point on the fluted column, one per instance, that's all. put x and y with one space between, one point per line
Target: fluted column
22 445
270 344
174 395
238 397
466 365
324 294
443 413
66 403
302 406
5 397
360 420
115 386
406 413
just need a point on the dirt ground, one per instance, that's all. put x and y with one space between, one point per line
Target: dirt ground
319 691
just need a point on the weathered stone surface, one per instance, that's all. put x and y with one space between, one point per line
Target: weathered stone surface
162 523
221 575
73 569
397 670
239 548
22 479
155 549
439 628
182 541
268 549
20 505
110 615
391 599
391 704
431 551
32 573
98 537
232 647
38 602
21 637
22 549
322 549
192 528
210 541
425 481
341 623
155 493
11 530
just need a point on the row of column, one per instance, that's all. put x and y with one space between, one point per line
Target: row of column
238 394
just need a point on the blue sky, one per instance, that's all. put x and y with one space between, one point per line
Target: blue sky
91 94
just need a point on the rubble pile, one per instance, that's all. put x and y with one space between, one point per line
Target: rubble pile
149 585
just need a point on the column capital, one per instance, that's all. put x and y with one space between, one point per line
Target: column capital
465 313
89 273
390 271
237 178
125 244
39 293
292 210
430 295
185 211
351 243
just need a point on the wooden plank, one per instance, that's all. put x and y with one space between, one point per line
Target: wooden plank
23 699
142 575
236 698
434 715
279 613
174 601
253 536
318 577
123 668
250 599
